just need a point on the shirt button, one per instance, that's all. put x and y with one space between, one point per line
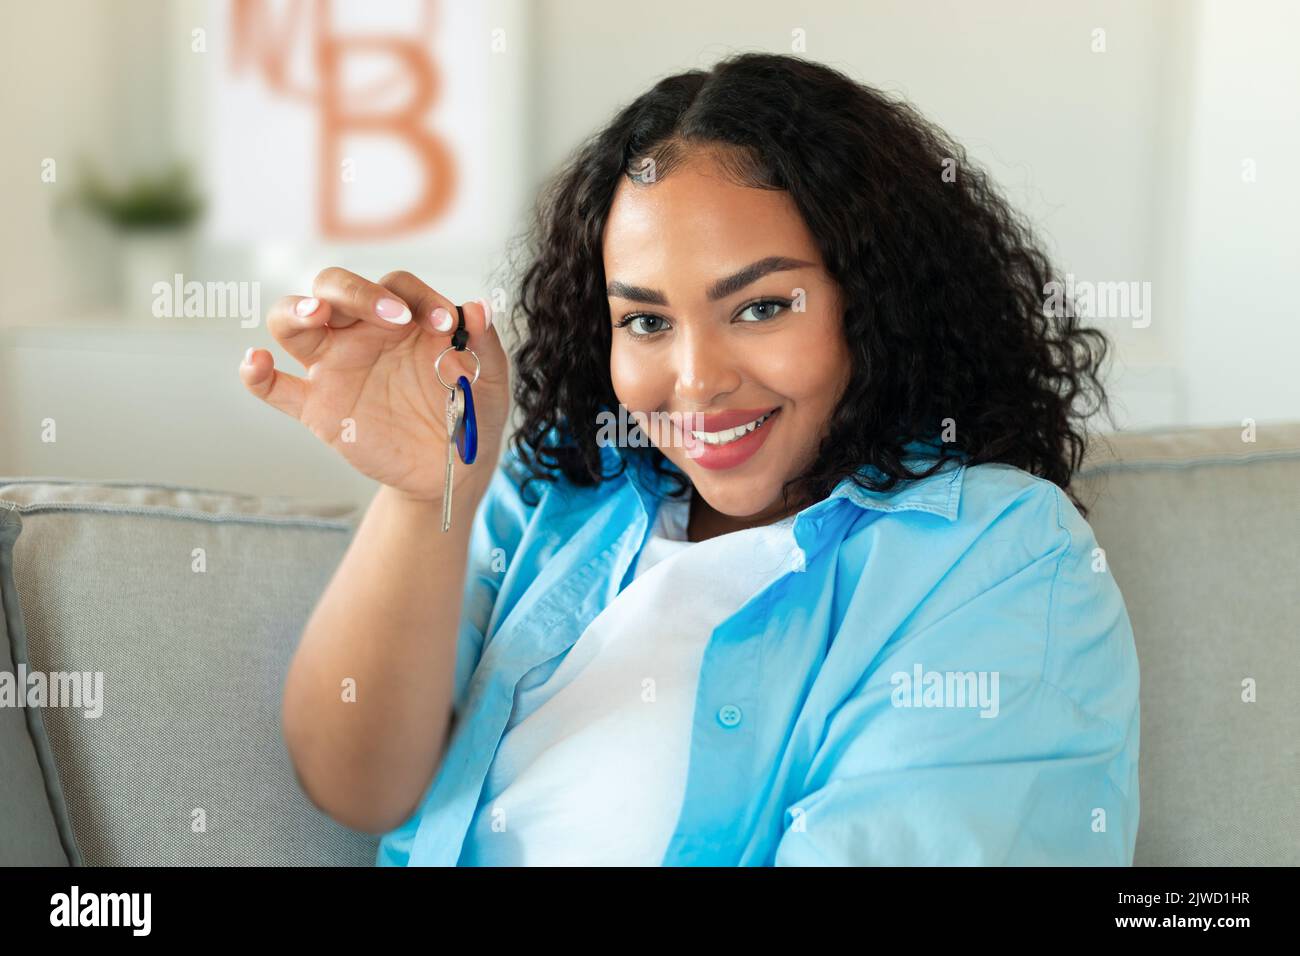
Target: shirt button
729 715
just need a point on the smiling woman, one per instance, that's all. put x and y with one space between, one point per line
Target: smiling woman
862 426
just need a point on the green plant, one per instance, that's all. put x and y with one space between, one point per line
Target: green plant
148 200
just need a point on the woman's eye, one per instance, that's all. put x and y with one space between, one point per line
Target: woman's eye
641 318
773 308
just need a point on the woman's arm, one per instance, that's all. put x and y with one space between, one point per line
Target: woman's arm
369 692
368 698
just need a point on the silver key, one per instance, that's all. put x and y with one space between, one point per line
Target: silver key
455 412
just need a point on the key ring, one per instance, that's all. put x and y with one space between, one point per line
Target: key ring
459 338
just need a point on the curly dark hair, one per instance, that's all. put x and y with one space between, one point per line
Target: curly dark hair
943 282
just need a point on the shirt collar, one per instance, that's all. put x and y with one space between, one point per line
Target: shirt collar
938 494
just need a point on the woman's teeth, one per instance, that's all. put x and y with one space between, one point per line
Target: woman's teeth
731 434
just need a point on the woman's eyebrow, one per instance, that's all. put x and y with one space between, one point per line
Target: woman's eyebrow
719 290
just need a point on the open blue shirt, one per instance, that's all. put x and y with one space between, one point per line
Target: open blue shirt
948 677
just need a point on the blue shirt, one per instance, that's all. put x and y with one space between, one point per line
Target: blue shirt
948 676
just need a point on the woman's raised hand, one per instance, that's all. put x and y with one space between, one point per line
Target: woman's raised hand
370 391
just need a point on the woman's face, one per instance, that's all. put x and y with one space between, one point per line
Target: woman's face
690 261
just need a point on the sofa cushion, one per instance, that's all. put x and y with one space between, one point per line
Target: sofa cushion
1202 532
34 825
190 604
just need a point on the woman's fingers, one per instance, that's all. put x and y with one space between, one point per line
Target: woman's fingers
427 303
279 389
298 323
355 299
422 299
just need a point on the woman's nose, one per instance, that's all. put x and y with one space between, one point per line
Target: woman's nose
705 368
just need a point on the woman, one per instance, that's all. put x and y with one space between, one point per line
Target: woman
839 608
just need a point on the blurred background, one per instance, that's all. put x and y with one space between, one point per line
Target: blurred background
171 168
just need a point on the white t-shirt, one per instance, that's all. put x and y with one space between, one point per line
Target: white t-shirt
591 769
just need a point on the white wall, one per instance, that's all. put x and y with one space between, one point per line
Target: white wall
1238 337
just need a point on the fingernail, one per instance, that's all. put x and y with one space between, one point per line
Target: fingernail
306 307
248 356
487 312
392 310
441 319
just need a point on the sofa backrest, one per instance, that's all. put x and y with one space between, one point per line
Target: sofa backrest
190 603
1201 529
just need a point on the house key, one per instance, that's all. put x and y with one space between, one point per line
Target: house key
455 415
462 427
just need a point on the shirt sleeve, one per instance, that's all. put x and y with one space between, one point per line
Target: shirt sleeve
499 525
1003 731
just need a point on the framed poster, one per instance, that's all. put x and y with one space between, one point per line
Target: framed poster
348 123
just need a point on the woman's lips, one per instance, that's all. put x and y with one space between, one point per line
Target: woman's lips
732 454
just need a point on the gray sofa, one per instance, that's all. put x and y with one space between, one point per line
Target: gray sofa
190 603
